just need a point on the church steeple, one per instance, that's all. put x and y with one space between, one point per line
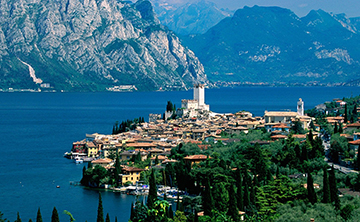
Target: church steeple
300 107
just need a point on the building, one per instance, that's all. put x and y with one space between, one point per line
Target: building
130 174
154 117
195 159
300 107
191 108
279 117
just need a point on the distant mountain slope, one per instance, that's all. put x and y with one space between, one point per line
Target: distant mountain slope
91 45
273 45
189 18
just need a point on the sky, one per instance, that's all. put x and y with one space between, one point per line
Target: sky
301 7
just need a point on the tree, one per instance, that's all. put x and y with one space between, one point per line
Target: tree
18 219
38 216
346 114
346 212
107 218
246 199
70 215
297 128
100 212
239 192
333 189
326 187
310 188
207 199
55 216
118 169
152 190
233 211
336 128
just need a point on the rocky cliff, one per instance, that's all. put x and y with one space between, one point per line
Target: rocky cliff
91 45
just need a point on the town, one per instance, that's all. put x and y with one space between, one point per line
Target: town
296 143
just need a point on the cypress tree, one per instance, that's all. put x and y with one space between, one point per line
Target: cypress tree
171 212
152 190
304 152
18 219
333 189
107 218
233 211
132 212
341 130
30 220
116 219
100 213
207 199
178 201
196 219
346 114
246 200
55 216
326 188
38 216
310 188
118 169
239 192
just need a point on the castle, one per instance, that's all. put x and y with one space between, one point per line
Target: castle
192 107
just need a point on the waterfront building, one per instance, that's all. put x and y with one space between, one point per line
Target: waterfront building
191 108
130 174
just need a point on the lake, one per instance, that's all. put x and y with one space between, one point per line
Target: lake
38 128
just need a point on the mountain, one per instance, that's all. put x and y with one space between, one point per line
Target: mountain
189 18
273 45
90 45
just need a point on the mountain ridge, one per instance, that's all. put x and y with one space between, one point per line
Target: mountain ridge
273 45
90 45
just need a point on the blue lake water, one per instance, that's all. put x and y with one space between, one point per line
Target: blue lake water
37 128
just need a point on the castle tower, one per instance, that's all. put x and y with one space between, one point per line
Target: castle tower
199 94
300 107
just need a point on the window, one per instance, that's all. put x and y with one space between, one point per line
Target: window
131 178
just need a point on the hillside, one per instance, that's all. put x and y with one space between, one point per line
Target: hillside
91 45
273 45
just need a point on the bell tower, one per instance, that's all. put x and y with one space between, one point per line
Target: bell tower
300 107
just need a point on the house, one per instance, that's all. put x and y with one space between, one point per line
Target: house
278 137
130 174
127 155
354 145
145 146
198 134
160 158
352 127
102 162
195 159
279 117
79 147
92 149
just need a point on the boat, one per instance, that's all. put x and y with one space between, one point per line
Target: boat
78 160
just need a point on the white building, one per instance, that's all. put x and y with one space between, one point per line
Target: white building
192 107
300 107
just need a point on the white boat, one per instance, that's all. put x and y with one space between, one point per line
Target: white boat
78 160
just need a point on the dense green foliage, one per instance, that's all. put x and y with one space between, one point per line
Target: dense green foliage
127 125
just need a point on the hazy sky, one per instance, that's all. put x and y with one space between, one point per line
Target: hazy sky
301 7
